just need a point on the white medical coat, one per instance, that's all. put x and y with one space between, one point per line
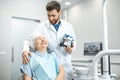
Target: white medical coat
54 39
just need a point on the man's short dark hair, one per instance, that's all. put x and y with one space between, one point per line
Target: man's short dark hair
53 5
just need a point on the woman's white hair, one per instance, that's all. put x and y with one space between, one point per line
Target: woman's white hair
33 39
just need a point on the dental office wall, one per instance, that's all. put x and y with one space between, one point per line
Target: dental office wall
5 40
87 20
86 17
33 9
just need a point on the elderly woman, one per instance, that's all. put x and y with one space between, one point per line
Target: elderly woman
42 66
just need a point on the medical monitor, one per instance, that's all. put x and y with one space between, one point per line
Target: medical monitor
92 48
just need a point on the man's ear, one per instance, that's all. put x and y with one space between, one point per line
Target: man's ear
60 12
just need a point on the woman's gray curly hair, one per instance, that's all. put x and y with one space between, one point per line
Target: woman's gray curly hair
33 39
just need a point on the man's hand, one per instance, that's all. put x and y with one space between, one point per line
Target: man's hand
69 49
25 55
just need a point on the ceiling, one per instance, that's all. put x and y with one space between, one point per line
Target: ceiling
73 2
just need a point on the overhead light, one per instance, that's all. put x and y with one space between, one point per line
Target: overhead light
59 0
67 3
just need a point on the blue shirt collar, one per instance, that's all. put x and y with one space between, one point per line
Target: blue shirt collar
56 26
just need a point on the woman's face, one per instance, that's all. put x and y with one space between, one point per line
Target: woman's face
41 42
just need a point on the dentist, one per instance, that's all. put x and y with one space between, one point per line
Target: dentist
54 29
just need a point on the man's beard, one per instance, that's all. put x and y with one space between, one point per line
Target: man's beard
55 21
